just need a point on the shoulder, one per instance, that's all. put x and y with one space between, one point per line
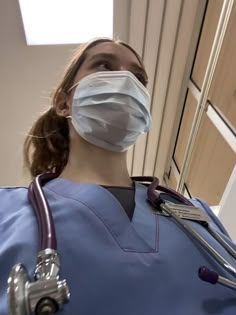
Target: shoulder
13 188
12 199
203 205
197 202
12 192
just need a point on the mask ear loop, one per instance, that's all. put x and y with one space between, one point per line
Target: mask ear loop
74 85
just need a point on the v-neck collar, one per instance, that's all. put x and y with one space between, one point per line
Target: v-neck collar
139 235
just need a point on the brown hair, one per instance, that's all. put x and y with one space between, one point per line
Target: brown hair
46 147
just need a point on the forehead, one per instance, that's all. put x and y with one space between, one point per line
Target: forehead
122 53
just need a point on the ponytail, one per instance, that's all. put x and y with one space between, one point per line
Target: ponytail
46 147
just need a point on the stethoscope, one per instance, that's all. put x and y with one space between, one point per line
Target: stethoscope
47 294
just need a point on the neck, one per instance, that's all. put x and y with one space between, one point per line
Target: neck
91 164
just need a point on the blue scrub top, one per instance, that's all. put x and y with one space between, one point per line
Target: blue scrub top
113 266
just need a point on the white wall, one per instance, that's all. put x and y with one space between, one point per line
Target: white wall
228 206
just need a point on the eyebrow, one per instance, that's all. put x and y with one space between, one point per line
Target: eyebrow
110 56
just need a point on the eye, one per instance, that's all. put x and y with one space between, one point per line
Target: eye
103 66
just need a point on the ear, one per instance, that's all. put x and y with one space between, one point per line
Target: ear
62 106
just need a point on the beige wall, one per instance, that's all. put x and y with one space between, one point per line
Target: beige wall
27 76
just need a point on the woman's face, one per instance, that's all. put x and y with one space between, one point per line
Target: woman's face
110 56
107 56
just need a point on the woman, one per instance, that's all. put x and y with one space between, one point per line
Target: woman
117 253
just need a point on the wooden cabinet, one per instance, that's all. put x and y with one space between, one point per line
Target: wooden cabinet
185 128
213 156
222 94
211 165
206 40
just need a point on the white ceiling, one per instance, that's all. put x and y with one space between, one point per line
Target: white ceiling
163 32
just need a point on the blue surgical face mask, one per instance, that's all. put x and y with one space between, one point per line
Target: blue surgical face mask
110 109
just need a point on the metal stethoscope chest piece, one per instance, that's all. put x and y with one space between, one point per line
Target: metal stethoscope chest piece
47 293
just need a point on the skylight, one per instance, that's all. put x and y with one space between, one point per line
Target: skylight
50 22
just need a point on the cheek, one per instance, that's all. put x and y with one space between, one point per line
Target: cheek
74 86
83 74
79 77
